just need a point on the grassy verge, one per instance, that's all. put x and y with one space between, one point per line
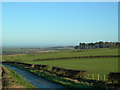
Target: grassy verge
19 79
53 78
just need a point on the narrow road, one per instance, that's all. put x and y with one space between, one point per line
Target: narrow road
35 80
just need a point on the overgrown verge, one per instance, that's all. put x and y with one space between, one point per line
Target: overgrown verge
73 78
58 80
13 80
57 76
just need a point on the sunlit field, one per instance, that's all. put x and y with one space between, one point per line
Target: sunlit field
101 66
65 53
94 65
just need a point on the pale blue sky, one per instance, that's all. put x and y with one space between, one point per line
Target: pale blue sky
28 24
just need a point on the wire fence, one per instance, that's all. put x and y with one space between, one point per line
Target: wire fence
102 77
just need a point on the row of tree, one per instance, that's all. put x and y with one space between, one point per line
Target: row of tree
99 44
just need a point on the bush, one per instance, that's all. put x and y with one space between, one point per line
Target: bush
68 72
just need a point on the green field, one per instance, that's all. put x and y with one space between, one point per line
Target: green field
94 65
65 53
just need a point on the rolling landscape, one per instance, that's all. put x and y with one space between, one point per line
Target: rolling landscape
97 63
60 45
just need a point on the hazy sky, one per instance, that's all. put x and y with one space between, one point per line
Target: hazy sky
29 24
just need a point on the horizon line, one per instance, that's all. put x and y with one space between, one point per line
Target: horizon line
53 45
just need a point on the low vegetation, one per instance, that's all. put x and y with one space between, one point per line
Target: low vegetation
58 80
70 82
11 79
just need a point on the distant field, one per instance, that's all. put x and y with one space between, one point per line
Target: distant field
13 51
93 65
65 53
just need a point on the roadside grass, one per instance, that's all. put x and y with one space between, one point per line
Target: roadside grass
53 78
19 79
94 66
65 53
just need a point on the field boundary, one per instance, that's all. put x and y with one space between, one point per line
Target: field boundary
74 57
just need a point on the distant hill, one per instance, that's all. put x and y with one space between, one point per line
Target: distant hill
11 51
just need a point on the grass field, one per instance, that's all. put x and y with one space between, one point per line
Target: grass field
93 65
65 53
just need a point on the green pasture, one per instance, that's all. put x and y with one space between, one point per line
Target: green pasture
92 65
65 53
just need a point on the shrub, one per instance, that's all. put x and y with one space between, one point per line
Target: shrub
68 72
113 76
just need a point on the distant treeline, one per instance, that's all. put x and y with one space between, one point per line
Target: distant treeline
99 44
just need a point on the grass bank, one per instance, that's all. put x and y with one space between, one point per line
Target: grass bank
15 79
58 80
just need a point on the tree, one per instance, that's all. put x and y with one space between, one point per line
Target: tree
101 44
76 47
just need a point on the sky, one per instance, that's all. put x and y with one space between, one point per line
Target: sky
48 24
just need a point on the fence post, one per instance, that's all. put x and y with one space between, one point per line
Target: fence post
104 77
98 77
93 76
88 75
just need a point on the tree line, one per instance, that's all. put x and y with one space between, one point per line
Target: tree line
99 44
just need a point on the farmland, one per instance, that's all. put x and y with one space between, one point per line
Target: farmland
94 65
102 65
59 54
